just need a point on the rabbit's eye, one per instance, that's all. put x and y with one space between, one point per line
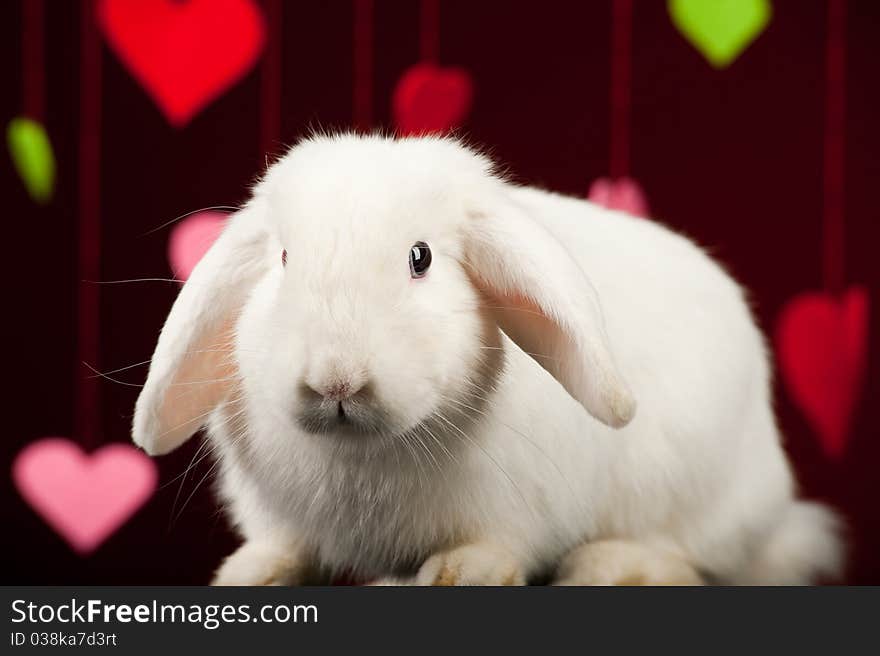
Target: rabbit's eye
419 259
284 257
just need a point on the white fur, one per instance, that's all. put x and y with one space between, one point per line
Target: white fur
529 440
624 562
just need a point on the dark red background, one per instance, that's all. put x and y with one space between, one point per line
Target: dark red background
732 158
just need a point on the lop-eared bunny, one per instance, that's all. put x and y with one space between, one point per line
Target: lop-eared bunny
409 366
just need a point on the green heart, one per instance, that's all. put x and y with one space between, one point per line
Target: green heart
720 29
32 155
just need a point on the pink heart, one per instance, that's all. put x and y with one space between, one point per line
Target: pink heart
428 98
623 194
822 344
191 238
83 497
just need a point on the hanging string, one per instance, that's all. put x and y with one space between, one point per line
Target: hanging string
833 165
621 75
88 410
362 93
33 60
429 31
270 81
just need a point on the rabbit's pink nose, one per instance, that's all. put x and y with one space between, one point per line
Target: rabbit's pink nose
336 390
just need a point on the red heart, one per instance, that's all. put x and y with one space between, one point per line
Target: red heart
185 54
84 498
623 194
432 99
822 346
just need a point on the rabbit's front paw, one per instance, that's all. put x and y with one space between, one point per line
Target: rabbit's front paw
259 563
622 562
391 582
473 564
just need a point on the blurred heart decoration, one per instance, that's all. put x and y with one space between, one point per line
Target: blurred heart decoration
32 155
191 238
185 53
83 497
720 29
624 194
822 343
429 98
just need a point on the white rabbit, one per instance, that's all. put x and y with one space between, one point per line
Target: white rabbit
409 366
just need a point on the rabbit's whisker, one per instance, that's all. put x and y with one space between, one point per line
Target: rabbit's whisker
534 355
193 420
192 463
237 437
439 443
120 282
523 436
229 208
405 440
194 490
488 455
424 447
99 374
505 307
208 449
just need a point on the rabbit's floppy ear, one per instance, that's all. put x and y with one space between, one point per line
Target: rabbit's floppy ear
544 302
192 368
